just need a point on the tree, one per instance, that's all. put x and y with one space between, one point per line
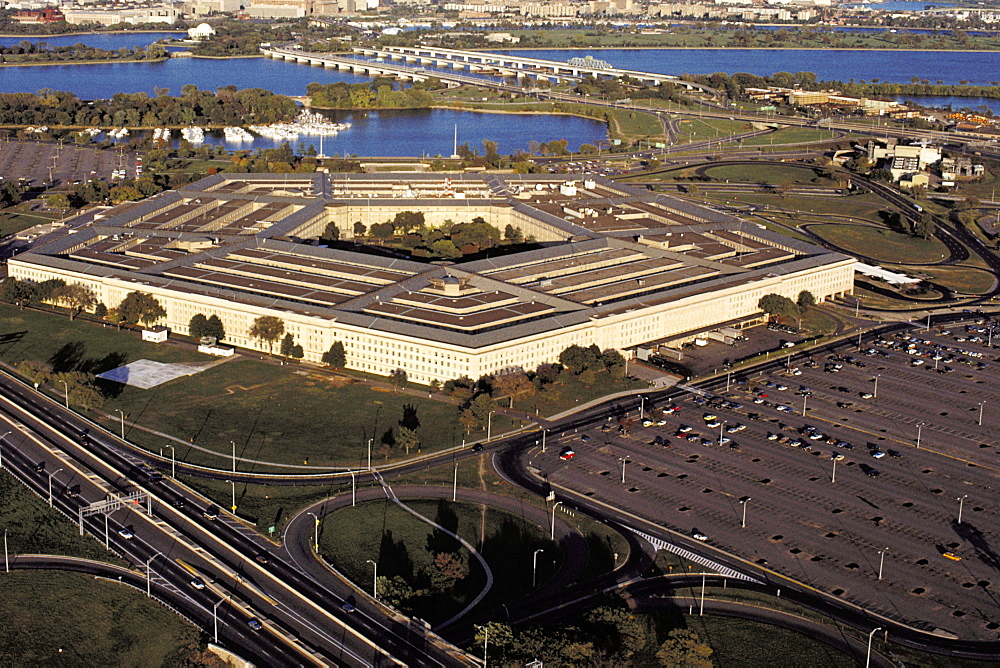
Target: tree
100 310
924 226
684 649
17 292
80 388
395 591
335 356
773 304
382 230
360 229
287 344
398 377
513 384
139 307
268 329
806 300
408 439
477 413
215 328
37 373
76 297
447 569
298 352
198 327
578 359
408 220
331 233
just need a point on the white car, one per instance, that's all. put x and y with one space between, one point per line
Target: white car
126 533
697 535
773 436
783 408
713 424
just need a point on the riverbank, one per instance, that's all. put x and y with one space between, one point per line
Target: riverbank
93 32
85 62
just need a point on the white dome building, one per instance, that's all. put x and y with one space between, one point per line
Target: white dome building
201 31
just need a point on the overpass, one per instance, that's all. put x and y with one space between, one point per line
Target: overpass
518 66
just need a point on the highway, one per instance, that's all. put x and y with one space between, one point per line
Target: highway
303 624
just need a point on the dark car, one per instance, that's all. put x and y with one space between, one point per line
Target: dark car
255 624
262 558
478 447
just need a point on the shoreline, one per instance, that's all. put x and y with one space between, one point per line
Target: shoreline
84 62
725 48
93 32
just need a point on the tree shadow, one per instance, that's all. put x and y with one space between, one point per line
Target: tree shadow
10 339
409 419
438 541
394 557
68 357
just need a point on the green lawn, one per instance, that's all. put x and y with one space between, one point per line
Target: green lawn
883 244
16 219
52 618
635 124
764 173
789 136
700 129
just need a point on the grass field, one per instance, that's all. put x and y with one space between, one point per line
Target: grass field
635 124
710 128
403 545
882 244
766 173
15 219
70 619
789 136
965 280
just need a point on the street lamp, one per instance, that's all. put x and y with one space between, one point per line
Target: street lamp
215 617
6 558
642 408
721 426
804 398
920 426
833 476
961 502
234 494
315 531
489 426
374 578
743 502
370 454
66 387
981 404
624 461
868 658
552 532
354 489
534 563
881 561
875 392
52 475
233 443
122 414
173 460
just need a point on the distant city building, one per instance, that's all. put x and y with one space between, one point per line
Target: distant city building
201 32
46 15
166 14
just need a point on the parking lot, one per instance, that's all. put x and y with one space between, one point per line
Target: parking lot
34 162
818 457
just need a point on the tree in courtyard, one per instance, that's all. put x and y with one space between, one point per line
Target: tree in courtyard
447 569
360 229
330 234
684 649
335 356
268 329
578 359
287 344
76 297
100 310
139 307
382 230
408 220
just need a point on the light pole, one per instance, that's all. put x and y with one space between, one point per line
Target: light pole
875 392
552 531
961 502
881 561
353 489
374 578
1 449
920 426
642 408
624 461
52 475
173 460
489 426
721 427
6 558
981 404
543 440
315 531
215 617
122 414
370 454
149 591
833 476
454 485
868 657
804 398
743 502
534 561
233 484
233 443
66 388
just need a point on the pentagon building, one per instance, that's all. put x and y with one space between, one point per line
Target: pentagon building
616 267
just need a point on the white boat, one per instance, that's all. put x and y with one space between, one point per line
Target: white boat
236 134
193 134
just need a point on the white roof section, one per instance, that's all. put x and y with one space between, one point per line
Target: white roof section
884 274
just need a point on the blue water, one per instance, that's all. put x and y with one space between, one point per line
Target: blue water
904 6
100 40
431 132
956 103
896 66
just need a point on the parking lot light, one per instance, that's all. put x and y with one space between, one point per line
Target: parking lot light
875 391
804 398
961 502
833 476
881 561
743 502
981 404
920 426
868 658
